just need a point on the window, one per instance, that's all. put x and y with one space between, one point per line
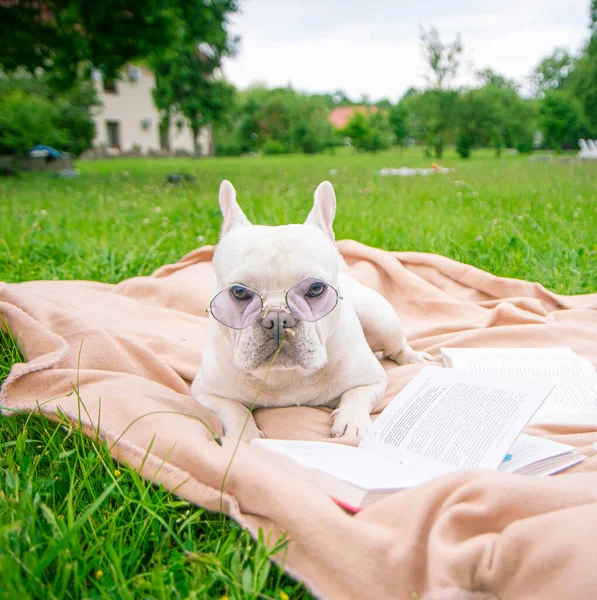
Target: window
110 86
113 129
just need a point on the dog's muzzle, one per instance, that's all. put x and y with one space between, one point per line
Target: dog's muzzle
275 321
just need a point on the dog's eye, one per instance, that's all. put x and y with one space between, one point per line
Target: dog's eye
240 293
316 289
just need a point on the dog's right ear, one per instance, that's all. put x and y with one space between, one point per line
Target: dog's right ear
324 209
231 211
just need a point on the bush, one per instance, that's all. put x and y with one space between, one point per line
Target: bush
464 143
228 148
297 122
274 147
369 132
26 120
562 120
525 146
32 113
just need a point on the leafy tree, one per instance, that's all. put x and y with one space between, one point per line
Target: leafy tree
464 143
495 116
435 109
187 85
369 132
186 73
398 118
311 129
296 122
488 76
443 59
552 72
432 117
384 104
562 121
63 37
583 80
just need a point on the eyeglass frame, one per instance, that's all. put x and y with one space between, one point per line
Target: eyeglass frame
265 309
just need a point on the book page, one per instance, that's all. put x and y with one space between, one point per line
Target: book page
446 419
527 450
574 399
518 362
353 465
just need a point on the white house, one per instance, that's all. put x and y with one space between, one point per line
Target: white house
128 120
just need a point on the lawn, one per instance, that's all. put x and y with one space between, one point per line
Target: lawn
72 523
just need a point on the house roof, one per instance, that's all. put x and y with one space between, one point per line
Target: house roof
341 115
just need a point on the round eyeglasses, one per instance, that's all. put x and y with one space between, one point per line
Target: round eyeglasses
238 306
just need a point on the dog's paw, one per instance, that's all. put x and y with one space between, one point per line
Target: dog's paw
246 433
349 422
408 356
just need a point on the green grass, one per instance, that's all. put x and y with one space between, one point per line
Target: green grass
72 523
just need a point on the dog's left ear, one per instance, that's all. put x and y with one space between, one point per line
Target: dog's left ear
324 209
232 212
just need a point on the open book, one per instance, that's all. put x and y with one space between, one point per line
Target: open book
574 399
442 421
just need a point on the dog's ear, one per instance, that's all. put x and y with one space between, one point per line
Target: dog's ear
324 209
231 211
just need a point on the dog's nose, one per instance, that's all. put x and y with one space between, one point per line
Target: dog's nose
275 321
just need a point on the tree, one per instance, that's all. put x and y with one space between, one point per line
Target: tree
552 72
443 59
494 116
62 37
432 117
436 107
583 80
562 121
369 132
185 84
398 118
186 73
488 76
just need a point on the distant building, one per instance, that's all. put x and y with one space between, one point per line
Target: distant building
129 122
341 115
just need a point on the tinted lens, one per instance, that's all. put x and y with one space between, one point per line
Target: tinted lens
236 307
311 299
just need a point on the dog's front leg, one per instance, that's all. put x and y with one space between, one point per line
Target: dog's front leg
351 418
236 418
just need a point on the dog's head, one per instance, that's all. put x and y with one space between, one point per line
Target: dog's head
280 280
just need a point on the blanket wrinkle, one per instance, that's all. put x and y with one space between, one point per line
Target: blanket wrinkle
471 535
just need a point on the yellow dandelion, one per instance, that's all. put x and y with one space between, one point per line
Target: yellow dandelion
99 574
116 473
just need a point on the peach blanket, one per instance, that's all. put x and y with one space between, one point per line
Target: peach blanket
472 534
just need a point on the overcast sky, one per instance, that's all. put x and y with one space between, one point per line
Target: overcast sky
372 46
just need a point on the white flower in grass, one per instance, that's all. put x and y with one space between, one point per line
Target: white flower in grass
145 221
200 238
43 212
157 209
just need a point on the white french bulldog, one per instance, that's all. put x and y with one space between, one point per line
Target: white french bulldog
282 285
